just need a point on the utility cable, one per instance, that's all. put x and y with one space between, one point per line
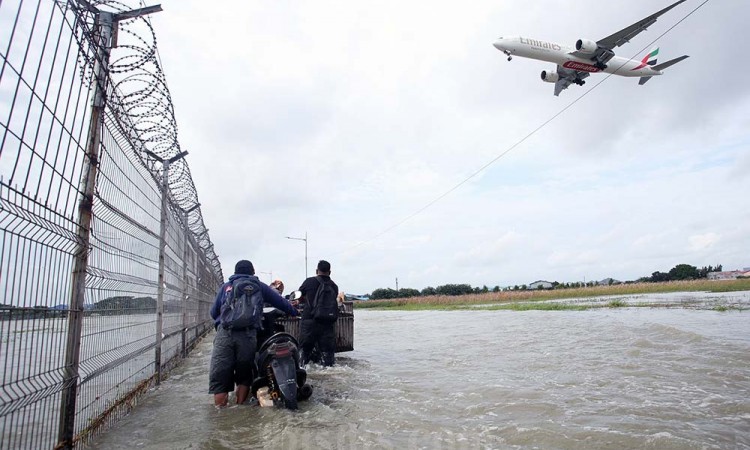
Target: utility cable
517 143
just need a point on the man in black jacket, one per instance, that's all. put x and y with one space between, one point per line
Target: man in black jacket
317 331
233 356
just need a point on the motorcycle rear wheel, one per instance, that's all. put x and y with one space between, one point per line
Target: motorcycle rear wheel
290 403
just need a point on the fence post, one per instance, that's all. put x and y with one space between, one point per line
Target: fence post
162 249
66 428
185 296
165 163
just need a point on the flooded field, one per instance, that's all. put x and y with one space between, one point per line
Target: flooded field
659 378
693 300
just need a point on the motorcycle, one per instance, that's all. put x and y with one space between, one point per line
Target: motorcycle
281 380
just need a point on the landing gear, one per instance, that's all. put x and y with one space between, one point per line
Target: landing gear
579 82
507 52
600 62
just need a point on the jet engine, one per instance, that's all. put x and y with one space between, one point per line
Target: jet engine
550 77
586 46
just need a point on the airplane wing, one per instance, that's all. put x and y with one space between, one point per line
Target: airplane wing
604 52
567 77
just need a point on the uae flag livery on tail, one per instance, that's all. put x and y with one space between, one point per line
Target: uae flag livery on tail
648 60
574 64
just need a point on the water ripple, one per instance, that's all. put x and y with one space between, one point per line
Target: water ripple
625 378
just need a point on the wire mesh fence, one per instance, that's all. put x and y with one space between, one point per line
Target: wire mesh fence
107 272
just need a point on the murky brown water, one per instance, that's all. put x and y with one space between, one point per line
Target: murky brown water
626 378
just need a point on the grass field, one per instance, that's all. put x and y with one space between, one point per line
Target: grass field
519 300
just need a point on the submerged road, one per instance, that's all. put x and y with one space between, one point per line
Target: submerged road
604 378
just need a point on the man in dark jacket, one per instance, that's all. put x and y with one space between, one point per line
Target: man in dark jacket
233 356
322 333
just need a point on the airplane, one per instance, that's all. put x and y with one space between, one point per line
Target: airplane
574 65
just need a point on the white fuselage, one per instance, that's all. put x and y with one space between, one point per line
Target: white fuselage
561 55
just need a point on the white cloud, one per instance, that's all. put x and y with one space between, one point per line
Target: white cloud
703 241
508 244
343 119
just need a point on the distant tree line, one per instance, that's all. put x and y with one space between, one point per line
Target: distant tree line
111 306
459 289
446 289
29 312
115 306
681 272
678 272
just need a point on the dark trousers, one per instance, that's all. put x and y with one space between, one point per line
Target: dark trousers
323 335
232 360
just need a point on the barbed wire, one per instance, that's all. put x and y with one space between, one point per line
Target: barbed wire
140 98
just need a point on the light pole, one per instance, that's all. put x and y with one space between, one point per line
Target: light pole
302 239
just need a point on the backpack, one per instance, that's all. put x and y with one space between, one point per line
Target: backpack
243 305
325 306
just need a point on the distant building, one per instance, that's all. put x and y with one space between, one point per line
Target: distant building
727 275
608 281
541 284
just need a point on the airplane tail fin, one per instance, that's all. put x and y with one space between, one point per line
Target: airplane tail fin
661 66
650 59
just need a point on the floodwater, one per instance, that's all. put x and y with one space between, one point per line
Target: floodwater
622 378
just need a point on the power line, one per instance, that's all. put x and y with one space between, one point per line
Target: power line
519 142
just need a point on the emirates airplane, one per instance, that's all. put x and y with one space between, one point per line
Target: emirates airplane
573 65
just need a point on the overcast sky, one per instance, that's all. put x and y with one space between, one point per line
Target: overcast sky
343 119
